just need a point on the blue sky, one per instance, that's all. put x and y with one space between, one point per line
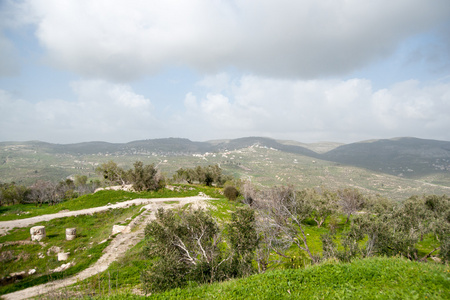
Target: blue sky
341 70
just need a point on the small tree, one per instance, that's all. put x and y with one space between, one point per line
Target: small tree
145 178
351 200
187 245
322 203
112 173
231 193
284 210
243 240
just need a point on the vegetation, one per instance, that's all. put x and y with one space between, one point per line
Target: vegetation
190 247
345 242
209 175
374 278
19 254
142 177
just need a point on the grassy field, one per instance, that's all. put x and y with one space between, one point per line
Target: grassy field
374 278
93 235
101 198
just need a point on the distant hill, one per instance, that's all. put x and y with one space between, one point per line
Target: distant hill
393 167
409 157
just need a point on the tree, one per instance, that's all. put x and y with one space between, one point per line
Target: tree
145 177
351 200
230 192
43 192
187 244
243 240
111 172
322 203
284 210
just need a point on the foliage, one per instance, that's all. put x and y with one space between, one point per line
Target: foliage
374 278
230 192
212 174
244 240
322 203
93 235
145 178
189 245
351 200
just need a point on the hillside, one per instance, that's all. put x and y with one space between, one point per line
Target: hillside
396 168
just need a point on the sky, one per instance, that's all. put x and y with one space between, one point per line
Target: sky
305 70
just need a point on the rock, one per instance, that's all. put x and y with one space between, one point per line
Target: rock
31 271
71 233
53 249
63 256
37 233
40 255
436 259
61 268
118 229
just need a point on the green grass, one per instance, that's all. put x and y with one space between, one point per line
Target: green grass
93 235
101 198
375 278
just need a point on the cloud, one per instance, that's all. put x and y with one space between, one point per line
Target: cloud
102 111
315 110
303 39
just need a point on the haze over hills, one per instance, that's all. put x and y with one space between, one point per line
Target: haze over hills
266 160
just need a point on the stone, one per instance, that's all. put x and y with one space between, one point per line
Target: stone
53 249
118 229
31 271
71 233
37 233
63 256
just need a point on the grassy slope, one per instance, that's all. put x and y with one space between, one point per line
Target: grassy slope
93 235
101 198
375 278
263 165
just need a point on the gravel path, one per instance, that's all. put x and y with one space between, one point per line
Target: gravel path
118 246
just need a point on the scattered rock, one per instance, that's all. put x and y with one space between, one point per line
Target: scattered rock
31 271
118 229
436 259
40 255
63 256
53 250
6 256
62 267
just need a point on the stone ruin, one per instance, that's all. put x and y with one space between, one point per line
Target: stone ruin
37 233
71 233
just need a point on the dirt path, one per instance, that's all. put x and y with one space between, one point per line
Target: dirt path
132 234
6 226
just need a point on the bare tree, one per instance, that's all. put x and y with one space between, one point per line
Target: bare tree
351 200
322 203
284 212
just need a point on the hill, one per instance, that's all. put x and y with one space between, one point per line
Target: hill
396 168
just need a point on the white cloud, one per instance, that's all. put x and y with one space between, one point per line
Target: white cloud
317 110
102 111
308 39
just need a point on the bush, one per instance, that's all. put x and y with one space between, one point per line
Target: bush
231 193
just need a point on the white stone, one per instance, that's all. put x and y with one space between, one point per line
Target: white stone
37 233
63 256
71 233
31 271
118 229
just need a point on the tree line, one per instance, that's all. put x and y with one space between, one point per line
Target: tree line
47 192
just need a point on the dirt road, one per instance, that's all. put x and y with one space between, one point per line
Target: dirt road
119 245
